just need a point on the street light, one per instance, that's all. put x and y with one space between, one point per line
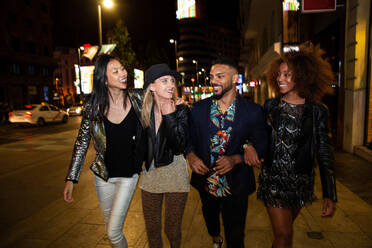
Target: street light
196 70
205 78
173 41
107 4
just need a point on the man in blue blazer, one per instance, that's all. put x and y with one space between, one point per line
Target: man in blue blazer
221 128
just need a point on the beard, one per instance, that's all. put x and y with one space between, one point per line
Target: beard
227 89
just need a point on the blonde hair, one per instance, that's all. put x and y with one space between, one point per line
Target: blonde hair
148 102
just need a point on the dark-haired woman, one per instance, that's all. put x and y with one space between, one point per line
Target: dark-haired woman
298 128
112 119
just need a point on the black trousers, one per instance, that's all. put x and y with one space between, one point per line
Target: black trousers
234 212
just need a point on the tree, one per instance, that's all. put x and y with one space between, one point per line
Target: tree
154 54
124 50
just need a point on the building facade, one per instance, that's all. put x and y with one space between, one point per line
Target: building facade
264 39
202 39
26 74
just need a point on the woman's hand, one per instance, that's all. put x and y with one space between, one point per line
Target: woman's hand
168 107
179 101
67 192
329 207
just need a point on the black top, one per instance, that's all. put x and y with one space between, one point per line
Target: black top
120 145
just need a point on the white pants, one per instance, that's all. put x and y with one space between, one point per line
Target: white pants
114 197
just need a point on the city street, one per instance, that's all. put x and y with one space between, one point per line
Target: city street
34 162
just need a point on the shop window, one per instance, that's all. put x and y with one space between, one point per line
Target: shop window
15 68
31 70
45 71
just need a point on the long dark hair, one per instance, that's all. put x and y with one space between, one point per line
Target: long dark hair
99 98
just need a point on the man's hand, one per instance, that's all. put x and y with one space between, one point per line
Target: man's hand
196 164
225 164
251 157
329 207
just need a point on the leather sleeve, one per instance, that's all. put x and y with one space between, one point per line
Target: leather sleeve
324 152
176 128
80 149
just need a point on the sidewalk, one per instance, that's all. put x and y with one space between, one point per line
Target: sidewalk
81 224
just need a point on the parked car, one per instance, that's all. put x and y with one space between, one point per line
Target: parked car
38 114
75 110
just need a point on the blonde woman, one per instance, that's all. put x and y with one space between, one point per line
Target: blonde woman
165 174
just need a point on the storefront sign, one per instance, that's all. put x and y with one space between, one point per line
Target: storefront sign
310 6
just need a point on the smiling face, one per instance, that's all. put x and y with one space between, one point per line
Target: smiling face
222 78
285 79
164 87
116 75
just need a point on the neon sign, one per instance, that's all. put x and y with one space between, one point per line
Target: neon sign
291 5
186 9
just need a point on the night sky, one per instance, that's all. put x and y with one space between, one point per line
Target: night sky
75 21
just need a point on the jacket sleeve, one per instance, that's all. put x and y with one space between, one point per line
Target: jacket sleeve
176 128
80 150
324 153
258 136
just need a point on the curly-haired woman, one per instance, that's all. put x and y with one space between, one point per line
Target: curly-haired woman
298 129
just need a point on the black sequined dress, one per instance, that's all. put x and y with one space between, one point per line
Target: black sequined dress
279 184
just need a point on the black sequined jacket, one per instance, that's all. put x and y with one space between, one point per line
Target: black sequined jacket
95 130
313 142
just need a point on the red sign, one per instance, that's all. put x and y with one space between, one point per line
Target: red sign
309 6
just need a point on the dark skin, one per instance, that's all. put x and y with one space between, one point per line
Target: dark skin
282 219
223 79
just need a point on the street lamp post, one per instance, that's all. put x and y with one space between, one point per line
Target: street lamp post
79 63
107 4
197 76
173 41
196 70
205 78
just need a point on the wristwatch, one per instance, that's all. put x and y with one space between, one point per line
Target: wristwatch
245 146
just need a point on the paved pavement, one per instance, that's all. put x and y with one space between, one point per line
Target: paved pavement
34 214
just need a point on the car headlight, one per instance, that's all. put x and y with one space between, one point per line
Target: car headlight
78 110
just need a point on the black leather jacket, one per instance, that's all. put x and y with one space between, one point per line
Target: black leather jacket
313 142
170 139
